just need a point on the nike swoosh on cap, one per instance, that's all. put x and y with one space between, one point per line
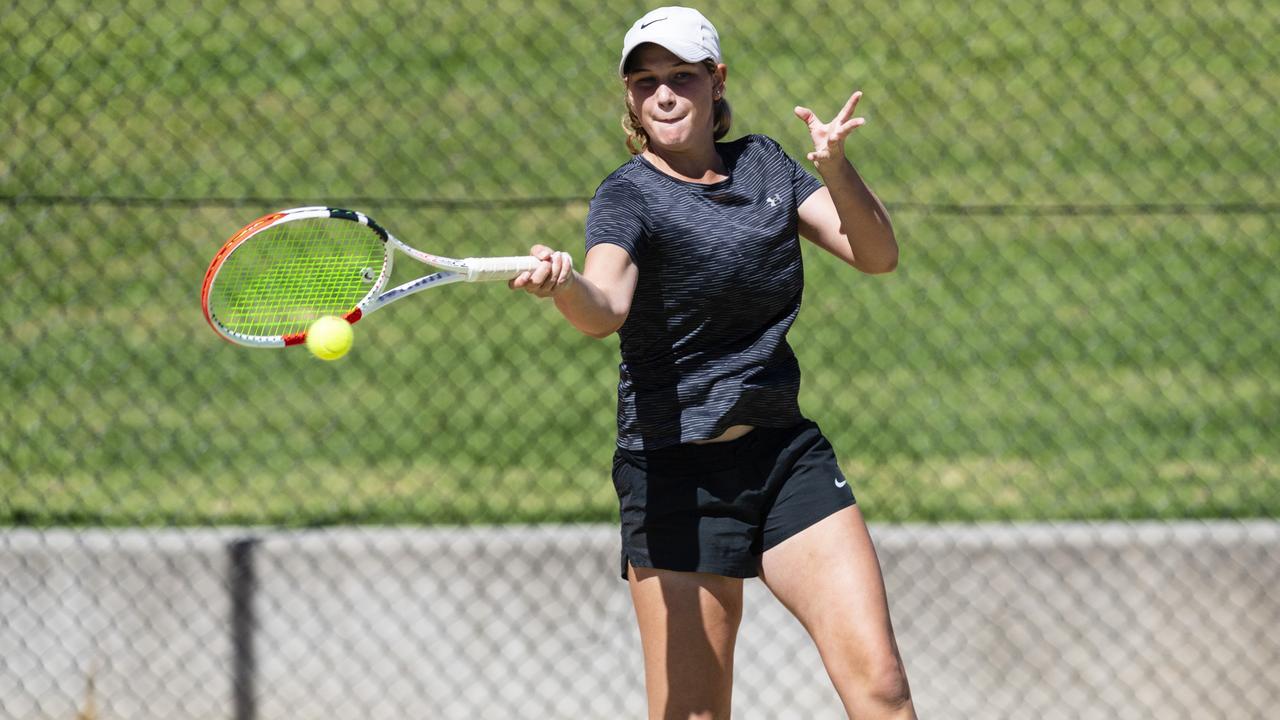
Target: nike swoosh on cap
651 22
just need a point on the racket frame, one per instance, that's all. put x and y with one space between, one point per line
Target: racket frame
449 271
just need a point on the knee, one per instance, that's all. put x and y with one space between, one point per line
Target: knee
886 683
873 683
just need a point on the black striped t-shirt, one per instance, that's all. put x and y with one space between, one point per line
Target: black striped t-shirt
704 346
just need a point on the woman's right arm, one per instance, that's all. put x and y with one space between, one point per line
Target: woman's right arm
596 300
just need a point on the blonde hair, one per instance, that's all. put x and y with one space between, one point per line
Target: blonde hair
638 140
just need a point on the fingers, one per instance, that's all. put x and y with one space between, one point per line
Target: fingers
842 119
525 279
562 268
553 273
828 138
847 110
844 130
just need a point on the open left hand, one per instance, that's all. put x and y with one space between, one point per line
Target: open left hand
828 138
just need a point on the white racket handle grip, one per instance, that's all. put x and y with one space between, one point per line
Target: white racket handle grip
498 268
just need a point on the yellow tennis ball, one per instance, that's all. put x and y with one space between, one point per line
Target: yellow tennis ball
330 337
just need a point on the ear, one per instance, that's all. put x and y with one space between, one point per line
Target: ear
717 81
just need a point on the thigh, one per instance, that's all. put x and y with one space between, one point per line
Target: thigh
829 577
688 627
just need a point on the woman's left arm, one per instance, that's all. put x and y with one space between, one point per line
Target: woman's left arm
844 217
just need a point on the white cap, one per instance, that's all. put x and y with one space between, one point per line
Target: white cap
684 31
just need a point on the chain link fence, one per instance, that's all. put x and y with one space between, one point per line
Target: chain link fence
1084 327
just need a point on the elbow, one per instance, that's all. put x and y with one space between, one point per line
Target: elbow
881 265
884 262
885 266
601 330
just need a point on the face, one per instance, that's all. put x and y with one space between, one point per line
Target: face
674 99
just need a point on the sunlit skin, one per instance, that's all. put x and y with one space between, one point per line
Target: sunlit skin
827 575
675 101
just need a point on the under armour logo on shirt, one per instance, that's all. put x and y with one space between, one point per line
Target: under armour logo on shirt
773 200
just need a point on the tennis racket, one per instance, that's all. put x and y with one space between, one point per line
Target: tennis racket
283 271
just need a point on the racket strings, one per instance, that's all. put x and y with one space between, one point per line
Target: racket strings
280 280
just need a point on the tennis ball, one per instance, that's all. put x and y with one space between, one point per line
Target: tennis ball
330 337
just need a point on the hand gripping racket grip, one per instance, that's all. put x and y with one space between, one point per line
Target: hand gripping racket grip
498 268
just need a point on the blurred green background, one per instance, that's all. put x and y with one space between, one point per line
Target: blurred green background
1084 324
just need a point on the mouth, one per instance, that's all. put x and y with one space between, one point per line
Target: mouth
669 121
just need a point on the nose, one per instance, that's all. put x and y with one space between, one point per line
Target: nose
664 95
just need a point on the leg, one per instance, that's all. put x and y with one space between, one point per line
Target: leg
688 626
828 576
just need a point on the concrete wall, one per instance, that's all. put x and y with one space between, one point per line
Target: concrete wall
1017 621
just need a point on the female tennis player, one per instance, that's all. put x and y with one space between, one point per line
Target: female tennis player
693 259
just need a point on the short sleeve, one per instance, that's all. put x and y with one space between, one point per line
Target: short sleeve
803 183
616 216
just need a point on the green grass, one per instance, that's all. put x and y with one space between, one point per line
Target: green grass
1015 367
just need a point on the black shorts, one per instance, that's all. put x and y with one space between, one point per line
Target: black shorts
717 507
